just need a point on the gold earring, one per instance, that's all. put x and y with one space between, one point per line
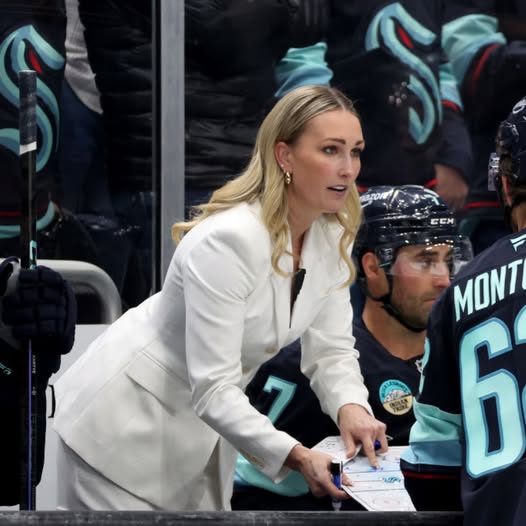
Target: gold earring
288 178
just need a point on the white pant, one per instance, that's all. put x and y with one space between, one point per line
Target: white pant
81 488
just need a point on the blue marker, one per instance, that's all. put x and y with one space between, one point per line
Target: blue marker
377 444
336 472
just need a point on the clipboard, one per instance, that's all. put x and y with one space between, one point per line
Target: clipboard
379 489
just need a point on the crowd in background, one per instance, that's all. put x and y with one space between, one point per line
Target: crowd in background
430 80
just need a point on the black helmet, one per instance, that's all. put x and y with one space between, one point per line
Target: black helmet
510 144
396 216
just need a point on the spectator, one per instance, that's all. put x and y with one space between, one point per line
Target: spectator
391 58
491 70
31 37
231 49
86 197
84 178
118 38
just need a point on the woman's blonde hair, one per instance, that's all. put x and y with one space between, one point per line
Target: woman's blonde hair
263 178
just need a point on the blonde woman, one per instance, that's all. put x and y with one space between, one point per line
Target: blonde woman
152 414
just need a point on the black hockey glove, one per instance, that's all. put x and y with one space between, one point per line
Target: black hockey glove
40 306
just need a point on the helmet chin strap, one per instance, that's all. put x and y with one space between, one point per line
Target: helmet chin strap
390 308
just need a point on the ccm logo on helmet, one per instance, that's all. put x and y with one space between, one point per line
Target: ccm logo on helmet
440 221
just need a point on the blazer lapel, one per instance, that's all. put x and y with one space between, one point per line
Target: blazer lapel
316 249
281 288
315 285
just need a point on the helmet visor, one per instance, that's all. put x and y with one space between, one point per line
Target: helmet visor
437 257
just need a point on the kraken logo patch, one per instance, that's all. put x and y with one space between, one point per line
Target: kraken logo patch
396 397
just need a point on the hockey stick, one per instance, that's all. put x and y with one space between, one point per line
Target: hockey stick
28 254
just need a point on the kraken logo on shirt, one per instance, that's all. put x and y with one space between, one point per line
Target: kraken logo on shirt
393 28
396 397
22 49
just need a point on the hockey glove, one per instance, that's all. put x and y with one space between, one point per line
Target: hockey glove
40 306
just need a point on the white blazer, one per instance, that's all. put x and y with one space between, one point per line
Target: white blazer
157 401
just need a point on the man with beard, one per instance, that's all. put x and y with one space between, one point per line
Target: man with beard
406 251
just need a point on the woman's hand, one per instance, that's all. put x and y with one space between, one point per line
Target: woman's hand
315 468
357 426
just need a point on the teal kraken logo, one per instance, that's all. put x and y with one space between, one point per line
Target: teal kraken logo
395 29
25 48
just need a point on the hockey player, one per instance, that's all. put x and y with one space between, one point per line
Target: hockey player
469 439
405 252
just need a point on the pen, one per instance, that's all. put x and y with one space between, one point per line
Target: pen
377 444
336 472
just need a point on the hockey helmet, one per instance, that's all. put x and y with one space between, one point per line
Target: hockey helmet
510 156
397 216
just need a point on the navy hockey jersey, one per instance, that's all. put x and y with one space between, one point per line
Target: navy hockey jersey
471 408
392 384
283 393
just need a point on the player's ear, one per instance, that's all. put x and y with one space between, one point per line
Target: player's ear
375 277
370 266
